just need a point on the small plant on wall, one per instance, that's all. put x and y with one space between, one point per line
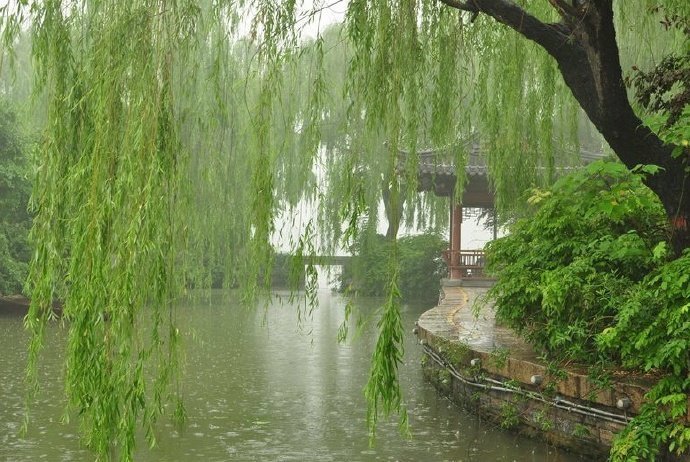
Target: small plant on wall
510 415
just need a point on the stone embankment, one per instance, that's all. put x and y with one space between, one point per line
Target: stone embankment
18 305
486 368
13 305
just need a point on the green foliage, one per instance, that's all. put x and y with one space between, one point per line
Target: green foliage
456 353
383 391
588 239
586 277
661 424
421 266
652 329
171 143
581 431
664 91
510 416
652 333
499 357
15 187
540 418
107 196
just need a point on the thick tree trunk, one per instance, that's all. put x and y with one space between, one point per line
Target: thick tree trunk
671 187
393 206
585 48
601 92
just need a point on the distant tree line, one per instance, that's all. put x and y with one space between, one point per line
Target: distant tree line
419 261
15 189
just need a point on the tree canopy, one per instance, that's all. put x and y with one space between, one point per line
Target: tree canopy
15 187
162 116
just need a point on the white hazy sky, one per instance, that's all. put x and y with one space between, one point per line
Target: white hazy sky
329 12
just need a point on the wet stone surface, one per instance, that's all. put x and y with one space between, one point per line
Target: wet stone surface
454 319
481 332
465 323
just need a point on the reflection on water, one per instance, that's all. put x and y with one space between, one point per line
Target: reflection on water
258 388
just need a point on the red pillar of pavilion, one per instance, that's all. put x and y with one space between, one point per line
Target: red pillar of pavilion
455 240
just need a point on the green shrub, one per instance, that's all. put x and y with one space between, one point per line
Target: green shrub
652 326
421 266
563 268
652 333
587 277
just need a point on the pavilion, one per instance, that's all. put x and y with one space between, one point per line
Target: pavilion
439 177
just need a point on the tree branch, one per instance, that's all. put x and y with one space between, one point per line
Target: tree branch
586 50
462 6
587 55
552 37
563 8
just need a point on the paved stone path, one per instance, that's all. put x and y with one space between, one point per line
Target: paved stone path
454 320
458 307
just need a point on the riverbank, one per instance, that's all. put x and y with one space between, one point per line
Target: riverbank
18 305
14 305
488 369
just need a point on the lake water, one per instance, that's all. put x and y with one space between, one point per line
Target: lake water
258 388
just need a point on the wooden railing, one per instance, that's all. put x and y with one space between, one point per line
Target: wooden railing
465 263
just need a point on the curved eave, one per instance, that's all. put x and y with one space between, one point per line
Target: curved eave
477 191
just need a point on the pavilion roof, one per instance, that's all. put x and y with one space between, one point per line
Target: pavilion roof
436 172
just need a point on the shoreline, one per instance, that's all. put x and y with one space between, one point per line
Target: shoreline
489 370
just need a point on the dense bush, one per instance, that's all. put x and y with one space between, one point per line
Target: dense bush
560 271
587 277
420 263
652 332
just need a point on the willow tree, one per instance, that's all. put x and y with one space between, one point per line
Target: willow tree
161 117
582 39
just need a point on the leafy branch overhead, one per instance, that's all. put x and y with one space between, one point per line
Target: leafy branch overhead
666 88
584 44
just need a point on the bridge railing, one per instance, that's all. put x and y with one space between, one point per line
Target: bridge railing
465 263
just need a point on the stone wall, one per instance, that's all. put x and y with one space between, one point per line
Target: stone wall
488 370
510 405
